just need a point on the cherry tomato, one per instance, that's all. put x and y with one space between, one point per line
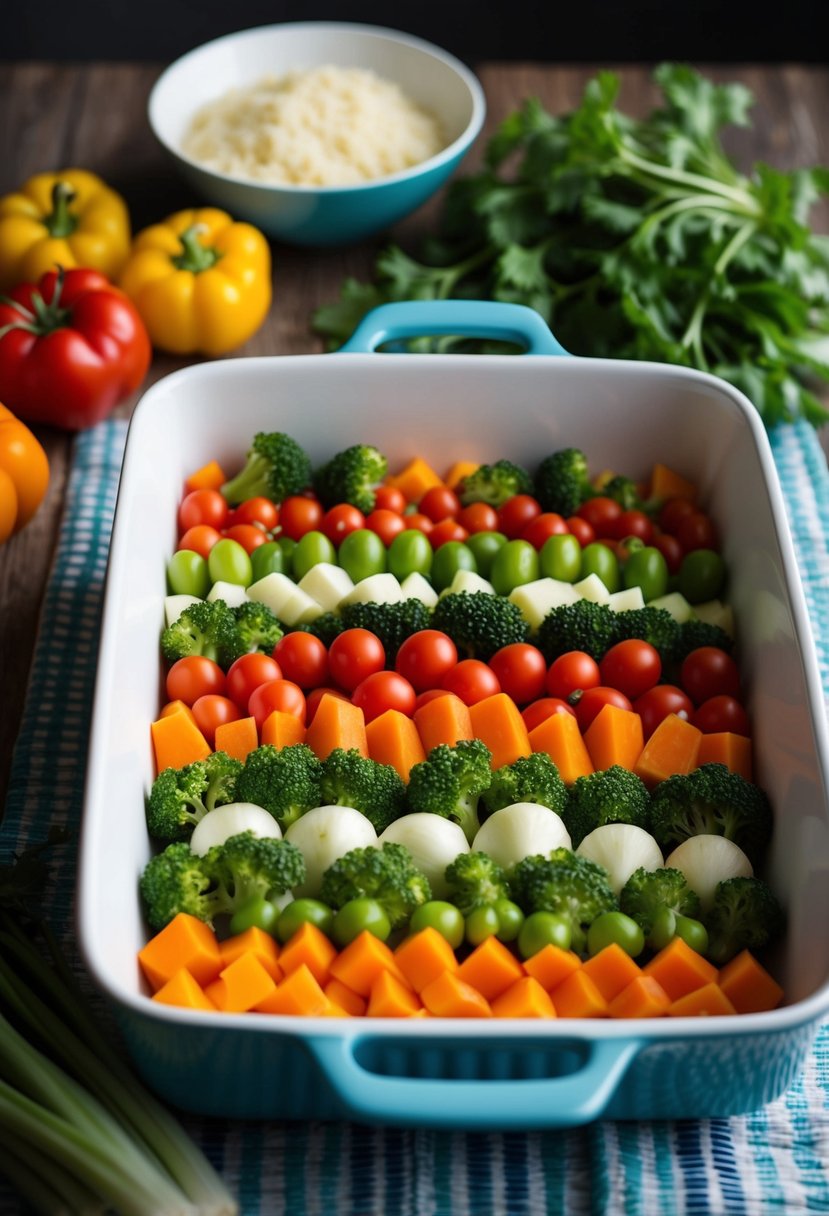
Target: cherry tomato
247 673
478 517
633 523
387 524
211 711
471 680
259 510
697 531
673 511
632 666
539 530
303 659
543 709
658 702
439 502
384 690
593 700
584 533
203 507
248 536
671 550
299 515
419 521
313 699
521 670
338 522
517 514
721 713
571 672
601 513
709 671
425 658
192 677
353 655
446 530
283 695
199 539
389 498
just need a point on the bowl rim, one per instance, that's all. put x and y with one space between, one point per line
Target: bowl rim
450 152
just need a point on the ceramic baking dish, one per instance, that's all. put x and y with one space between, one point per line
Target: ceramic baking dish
444 1073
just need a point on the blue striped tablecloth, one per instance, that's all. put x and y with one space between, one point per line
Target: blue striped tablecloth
773 1161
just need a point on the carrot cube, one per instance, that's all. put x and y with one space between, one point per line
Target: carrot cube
342 996
177 741
578 997
643 997
253 941
241 986
705 1002
393 739
186 943
748 985
672 748
611 970
282 730
491 968
176 707
449 997
459 471
498 723
237 739
299 993
336 723
310 946
524 999
680 970
360 963
415 479
423 957
389 998
551 966
210 476
559 736
443 720
724 747
182 990
614 737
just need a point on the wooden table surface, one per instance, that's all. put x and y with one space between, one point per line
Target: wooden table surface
93 116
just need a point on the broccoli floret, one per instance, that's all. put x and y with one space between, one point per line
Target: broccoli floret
711 800
475 880
392 623
285 781
386 874
248 867
695 633
611 795
376 790
624 491
562 482
479 623
532 778
207 628
276 468
256 628
745 916
572 887
351 476
495 483
450 781
648 893
180 797
325 627
586 626
654 625
175 881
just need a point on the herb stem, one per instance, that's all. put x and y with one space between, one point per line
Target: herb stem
682 177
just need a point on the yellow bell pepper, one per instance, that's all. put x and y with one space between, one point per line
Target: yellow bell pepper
64 219
201 281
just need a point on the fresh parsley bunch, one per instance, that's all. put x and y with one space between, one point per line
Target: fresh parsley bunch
635 239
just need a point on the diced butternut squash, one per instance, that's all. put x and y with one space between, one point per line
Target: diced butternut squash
611 970
389 998
644 997
614 737
187 943
578 997
498 723
449 997
680 970
666 483
359 964
337 723
282 730
460 470
706 1002
182 990
524 999
253 941
443 720
748 985
491 968
237 739
242 985
672 748
551 966
724 747
424 956
309 946
298 993
210 476
345 998
559 736
177 741
393 739
415 479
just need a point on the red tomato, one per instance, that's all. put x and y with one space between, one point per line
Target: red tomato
193 677
521 670
658 702
472 681
200 539
439 502
247 535
353 655
389 498
313 699
632 666
584 533
422 523
543 527
478 517
709 671
697 531
299 515
341 520
673 511
259 510
517 513
387 524
593 700
425 658
571 672
671 550
283 695
211 711
381 691
601 513
721 713
303 659
543 709
633 523
447 529
203 507
247 673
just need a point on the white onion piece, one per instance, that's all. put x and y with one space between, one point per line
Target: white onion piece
706 861
434 843
621 848
323 835
521 830
220 824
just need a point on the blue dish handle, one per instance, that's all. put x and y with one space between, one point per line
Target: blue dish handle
470 318
566 1101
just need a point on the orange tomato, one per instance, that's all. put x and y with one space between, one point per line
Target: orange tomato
25 465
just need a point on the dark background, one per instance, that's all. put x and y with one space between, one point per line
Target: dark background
581 31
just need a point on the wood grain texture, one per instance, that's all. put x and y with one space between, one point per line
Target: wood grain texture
94 116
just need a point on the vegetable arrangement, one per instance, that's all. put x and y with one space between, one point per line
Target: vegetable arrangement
496 714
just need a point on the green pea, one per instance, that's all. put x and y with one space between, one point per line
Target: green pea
693 933
311 549
229 563
614 928
361 554
268 559
648 570
598 559
298 911
360 916
663 929
260 913
441 916
510 919
542 929
515 563
701 575
448 560
287 544
480 924
187 574
560 558
410 553
484 546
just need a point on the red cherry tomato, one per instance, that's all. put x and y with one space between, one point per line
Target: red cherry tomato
601 513
341 520
697 531
313 699
516 514
709 671
192 677
543 527
203 507
247 673
581 529
303 659
247 535
200 539
632 666
425 658
385 523
259 510
447 529
471 680
211 711
521 670
571 672
721 714
353 655
633 523
543 709
593 700
439 502
299 515
283 695
674 510
422 523
658 702
389 498
384 690
478 517
671 550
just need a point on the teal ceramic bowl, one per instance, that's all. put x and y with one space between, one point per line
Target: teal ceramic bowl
332 215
